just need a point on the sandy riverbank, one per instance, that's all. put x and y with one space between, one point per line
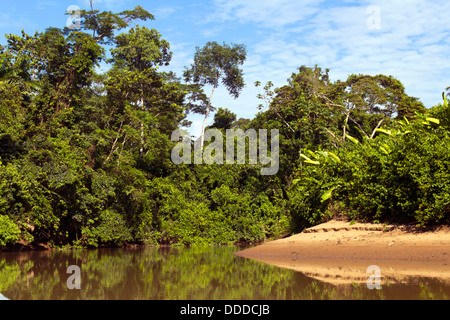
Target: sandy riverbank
340 252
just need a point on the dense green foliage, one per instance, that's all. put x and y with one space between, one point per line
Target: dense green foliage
85 158
401 175
9 233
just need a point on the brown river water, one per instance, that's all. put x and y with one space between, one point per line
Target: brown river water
182 273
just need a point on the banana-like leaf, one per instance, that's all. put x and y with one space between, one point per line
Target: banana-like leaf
388 132
329 155
334 157
304 157
352 139
313 154
312 162
308 160
434 120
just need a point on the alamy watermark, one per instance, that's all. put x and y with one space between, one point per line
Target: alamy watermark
374 20
74 281
74 20
235 142
374 280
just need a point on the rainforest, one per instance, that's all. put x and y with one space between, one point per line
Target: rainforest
85 156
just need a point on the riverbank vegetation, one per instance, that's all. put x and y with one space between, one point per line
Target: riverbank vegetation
85 157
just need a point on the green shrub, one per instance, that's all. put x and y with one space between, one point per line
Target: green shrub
402 175
9 232
112 230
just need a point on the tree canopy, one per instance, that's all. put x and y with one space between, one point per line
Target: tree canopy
215 64
85 156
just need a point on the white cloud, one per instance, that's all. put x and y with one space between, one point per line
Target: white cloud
17 22
162 13
41 5
112 5
266 13
412 43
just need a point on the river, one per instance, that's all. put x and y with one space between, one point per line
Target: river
180 273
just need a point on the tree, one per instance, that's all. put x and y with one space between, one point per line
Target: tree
57 64
241 123
370 100
17 86
356 107
309 93
136 58
104 24
305 109
214 63
381 94
223 119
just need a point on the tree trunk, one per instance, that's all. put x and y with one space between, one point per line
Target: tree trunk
208 110
346 121
141 150
202 138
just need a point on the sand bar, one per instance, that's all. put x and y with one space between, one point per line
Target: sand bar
340 252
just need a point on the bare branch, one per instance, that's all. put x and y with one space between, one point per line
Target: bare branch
359 127
378 125
113 148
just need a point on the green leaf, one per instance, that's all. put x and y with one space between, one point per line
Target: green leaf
308 160
327 195
384 150
323 154
355 141
434 120
335 157
388 132
313 154
406 119
304 157
312 162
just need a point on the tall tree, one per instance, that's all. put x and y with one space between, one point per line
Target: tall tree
375 99
104 24
305 109
60 65
135 82
213 64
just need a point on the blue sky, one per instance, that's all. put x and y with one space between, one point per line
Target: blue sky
408 39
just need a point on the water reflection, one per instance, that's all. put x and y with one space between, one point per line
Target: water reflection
197 273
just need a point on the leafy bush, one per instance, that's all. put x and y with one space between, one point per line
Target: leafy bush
9 232
402 175
112 229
